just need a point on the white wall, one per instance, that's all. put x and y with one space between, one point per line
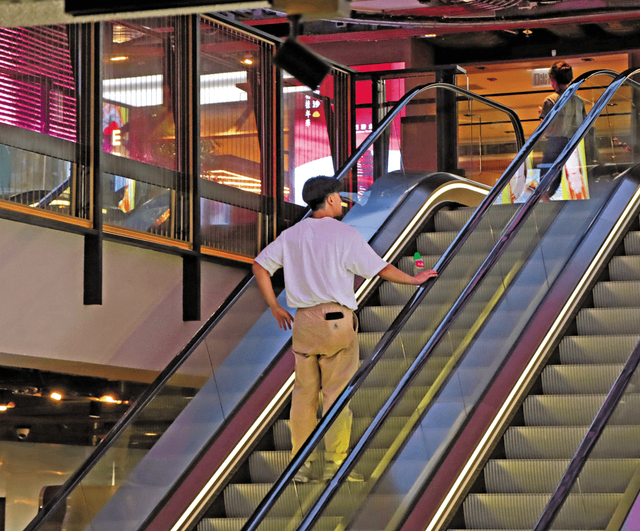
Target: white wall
138 326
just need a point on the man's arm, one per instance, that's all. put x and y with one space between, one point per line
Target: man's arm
284 318
393 274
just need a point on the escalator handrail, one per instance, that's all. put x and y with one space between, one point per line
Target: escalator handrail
391 333
402 102
154 388
512 228
588 443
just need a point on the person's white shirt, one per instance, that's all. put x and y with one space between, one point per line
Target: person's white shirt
320 258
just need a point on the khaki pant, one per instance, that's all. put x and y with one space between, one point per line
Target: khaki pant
326 356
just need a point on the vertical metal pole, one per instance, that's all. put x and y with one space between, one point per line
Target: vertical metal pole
188 52
90 146
447 123
278 128
380 146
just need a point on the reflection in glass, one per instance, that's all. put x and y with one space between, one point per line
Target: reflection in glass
140 90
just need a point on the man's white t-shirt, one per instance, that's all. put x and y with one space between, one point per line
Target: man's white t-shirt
320 258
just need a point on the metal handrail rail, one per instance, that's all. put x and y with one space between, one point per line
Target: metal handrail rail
507 236
343 399
606 410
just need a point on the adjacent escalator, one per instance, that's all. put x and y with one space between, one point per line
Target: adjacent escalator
416 426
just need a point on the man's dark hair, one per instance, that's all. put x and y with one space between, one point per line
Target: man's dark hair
561 72
316 190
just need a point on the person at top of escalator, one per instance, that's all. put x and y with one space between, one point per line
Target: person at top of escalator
568 119
320 256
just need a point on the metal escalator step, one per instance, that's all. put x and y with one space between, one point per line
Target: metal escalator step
241 500
619 294
436 243
624 268
282 431
521 511
268 466
577 410
268 524
632 243
543 476
608 321
452 220
388 372
552 442
426 317
445 290
408 344
580 379
597 349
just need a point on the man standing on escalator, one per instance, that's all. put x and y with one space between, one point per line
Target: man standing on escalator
320 256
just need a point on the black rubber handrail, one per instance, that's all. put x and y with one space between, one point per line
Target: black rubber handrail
599 423
154 388
387 338
507 236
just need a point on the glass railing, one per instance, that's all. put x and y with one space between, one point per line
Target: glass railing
403 445
163 433
397 410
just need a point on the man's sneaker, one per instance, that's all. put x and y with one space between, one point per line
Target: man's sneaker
331 468
307 473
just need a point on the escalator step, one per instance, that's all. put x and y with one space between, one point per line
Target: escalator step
624 268
551 442
580 379
405 345
577 410
241 500
445 290
267 466
608 321
597 349
282 432
269 524
521 511
379 318
452 220
632 243
390 371
620 294
519 476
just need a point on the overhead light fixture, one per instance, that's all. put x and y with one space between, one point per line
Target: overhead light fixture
527 31
55 395
119 58
299 61
431 35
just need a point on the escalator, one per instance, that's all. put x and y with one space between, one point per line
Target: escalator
191 430
547 254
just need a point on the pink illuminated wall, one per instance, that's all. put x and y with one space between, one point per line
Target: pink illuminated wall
37 88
